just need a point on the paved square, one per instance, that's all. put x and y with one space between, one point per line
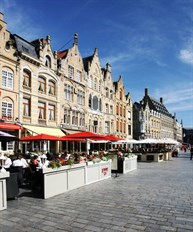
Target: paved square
155 197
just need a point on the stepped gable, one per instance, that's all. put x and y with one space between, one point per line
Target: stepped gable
23 46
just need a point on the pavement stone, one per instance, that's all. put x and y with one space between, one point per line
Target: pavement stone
155 197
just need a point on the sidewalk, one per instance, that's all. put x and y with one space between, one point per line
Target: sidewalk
156 197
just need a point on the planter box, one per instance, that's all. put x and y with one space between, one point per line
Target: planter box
129 164
125 164
153 157
3 191
98 171
65 178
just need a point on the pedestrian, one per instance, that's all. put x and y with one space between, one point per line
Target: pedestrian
191 152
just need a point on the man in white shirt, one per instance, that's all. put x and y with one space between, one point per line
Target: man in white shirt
8 161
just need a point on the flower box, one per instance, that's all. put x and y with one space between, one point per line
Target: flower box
3 192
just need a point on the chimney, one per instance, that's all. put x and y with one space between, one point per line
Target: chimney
161 100
75 39
48 39
96 51
1 16
108 67
146 91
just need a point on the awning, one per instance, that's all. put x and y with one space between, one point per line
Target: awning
9 126
44 130
69 132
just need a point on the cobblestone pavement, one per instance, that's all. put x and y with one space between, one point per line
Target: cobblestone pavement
155 197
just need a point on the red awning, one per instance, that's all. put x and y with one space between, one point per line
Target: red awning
9 126
39 138
85 135
112 138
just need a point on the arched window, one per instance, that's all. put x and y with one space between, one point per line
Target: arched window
26 78
48 62
51 88
41 84
90 101
95 103
7 109
7 78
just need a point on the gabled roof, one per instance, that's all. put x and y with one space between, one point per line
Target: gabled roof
25 46
156 105
62 54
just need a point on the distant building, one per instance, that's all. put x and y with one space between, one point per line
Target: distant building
151 119
188 135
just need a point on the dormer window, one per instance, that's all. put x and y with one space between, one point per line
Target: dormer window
48 62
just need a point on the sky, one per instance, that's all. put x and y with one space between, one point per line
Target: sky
147 42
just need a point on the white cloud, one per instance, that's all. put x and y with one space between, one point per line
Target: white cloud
19 22
178 97
186 56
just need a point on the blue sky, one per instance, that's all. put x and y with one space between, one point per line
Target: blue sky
148 42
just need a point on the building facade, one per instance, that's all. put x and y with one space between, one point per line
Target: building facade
58 92
152 120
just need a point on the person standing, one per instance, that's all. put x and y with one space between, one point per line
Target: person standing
191 152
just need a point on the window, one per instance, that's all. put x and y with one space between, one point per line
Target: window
100 105
91 82
111 109
107 93
111 94
68 92
99 86
7 79
67 116
117 125
82 120
121 126
107 127
41 110
121 95
26 78
90 101
81 97
79 76
74 118
26 107
107 108
51 112
51 88
95 84
7 146
95 103
121 110
41 84
117 110
70 71
7 109
48 62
